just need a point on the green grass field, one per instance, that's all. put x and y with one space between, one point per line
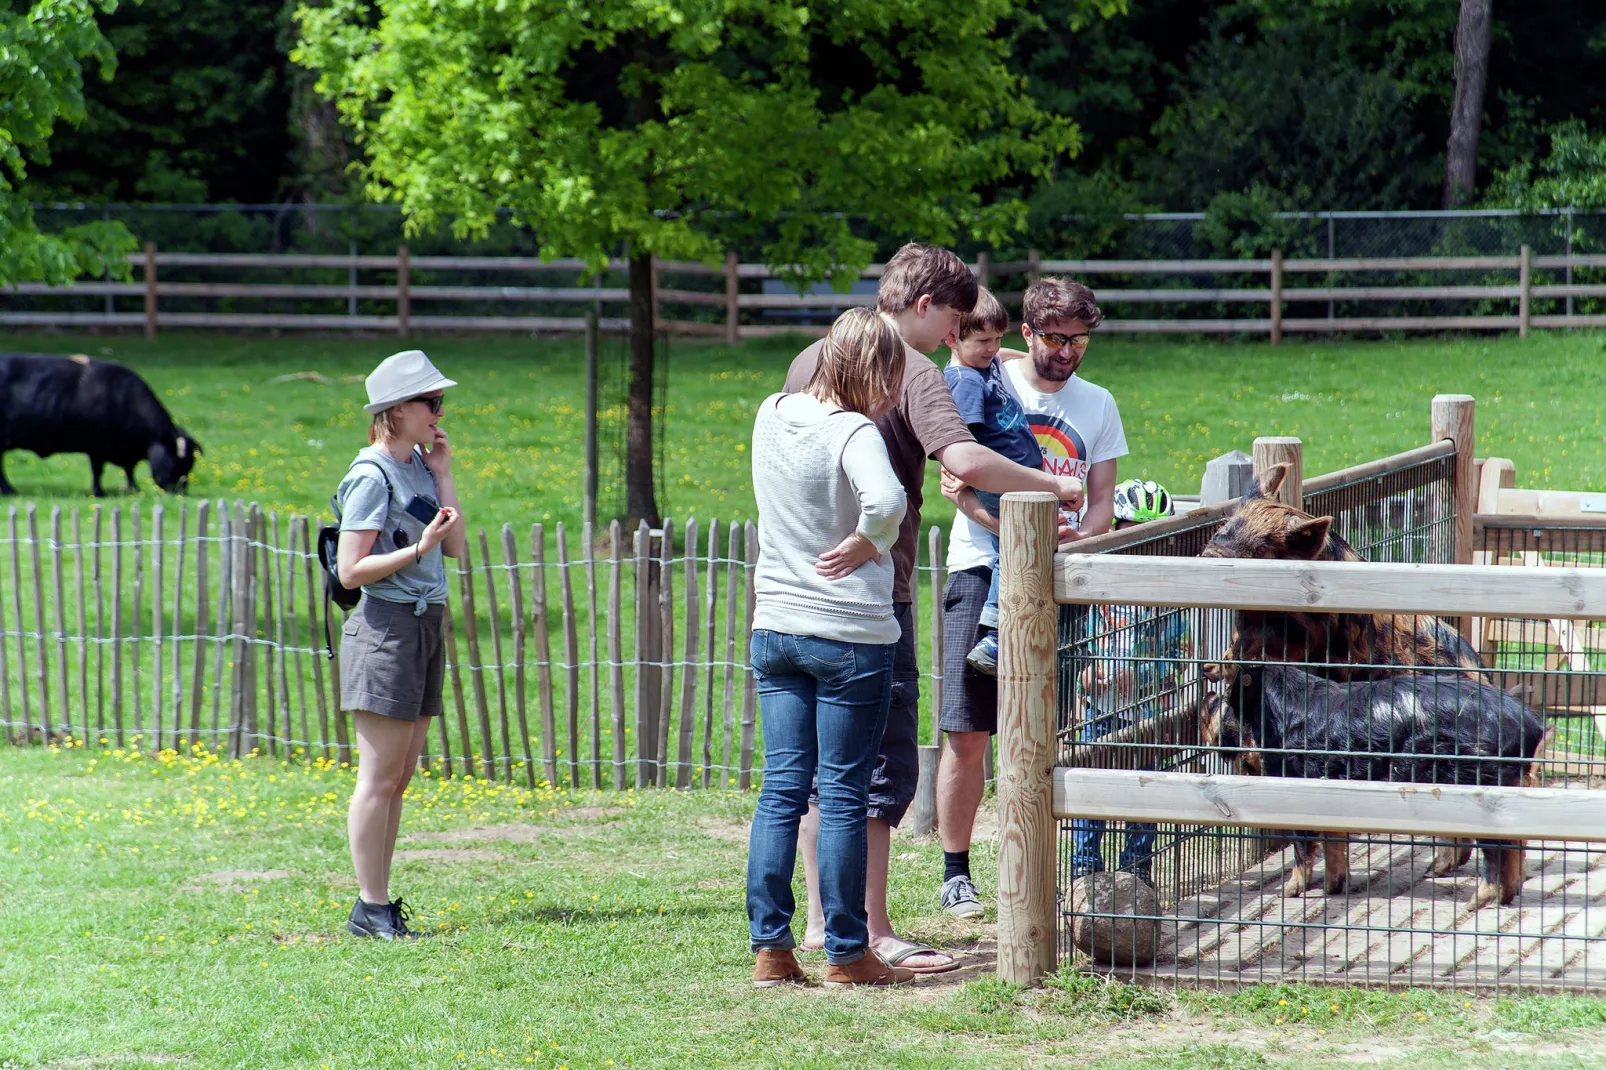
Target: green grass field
517 420
189 912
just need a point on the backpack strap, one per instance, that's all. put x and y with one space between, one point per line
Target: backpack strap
390 491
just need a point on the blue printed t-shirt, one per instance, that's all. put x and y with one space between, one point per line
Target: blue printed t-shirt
992 412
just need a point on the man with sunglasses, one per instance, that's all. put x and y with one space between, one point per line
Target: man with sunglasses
1078 430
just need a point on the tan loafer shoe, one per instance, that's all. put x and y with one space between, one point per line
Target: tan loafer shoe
869 971
776 967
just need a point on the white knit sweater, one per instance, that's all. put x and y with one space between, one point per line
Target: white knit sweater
821 473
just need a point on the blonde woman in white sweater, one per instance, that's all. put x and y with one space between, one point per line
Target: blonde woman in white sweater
829 505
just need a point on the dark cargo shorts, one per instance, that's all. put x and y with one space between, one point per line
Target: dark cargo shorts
897 767
969 698
391 662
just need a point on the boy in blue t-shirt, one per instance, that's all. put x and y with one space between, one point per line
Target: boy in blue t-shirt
976 377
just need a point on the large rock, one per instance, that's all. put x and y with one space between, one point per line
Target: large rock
1128 938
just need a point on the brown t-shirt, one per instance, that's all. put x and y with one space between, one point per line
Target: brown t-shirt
924 422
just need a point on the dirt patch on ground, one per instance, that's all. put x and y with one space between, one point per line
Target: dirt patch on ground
494 833
450 854
231 880
592 813
728 829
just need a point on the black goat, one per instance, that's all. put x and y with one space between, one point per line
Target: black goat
1419 728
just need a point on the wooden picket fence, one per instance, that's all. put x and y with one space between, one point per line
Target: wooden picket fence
619 660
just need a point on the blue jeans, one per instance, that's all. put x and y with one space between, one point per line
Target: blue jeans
1086 835
824 705
986 543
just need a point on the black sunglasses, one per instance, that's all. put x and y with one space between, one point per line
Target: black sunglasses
435 403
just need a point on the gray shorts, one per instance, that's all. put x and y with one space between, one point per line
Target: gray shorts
391 662
969 698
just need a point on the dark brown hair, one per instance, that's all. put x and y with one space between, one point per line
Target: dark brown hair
988 315
925 269
861 364
1053 298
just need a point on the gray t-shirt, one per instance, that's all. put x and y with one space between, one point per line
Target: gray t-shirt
365 506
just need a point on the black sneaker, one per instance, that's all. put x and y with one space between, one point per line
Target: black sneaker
373 919
399 914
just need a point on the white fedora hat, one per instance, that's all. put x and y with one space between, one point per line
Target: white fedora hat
402 376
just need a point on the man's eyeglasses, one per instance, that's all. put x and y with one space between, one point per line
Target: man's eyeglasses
435 403
1060 341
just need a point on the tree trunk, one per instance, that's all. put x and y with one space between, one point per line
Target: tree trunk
641 500
1466 112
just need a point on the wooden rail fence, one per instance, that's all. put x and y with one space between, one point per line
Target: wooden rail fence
393 295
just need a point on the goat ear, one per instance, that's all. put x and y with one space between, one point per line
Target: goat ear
1306 538
183 447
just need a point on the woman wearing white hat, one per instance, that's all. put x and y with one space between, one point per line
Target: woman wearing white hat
398 516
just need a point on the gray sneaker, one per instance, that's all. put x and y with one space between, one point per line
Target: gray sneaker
959 898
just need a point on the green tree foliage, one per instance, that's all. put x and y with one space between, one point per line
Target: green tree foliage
680 128
200 109
1571 175
43 48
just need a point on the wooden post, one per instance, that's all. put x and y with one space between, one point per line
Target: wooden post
61 618
616 655
1453 420
571 657
225 610
1525 288
150 289
711 605
924 811
253 598
116 645
22 631
176 692
239 567
404 299
930 755
272 629
666 651
982 270
454 667
41 642
938 582
733 300
749 683
83 618
298 525
588 535
1276 297
540 625
313 588
515 585
1028 633
100 623
639 581
493 612
688 671
476 665
1033 270
732 587
136 628
158 515
1270 452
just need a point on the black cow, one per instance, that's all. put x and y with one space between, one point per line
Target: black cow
51 404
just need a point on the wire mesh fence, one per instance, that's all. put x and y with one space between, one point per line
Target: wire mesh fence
1351 697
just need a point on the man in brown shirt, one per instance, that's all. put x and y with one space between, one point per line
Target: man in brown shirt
923 291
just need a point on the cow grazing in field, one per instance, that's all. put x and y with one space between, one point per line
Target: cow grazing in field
1347 645
51 404
1416 728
